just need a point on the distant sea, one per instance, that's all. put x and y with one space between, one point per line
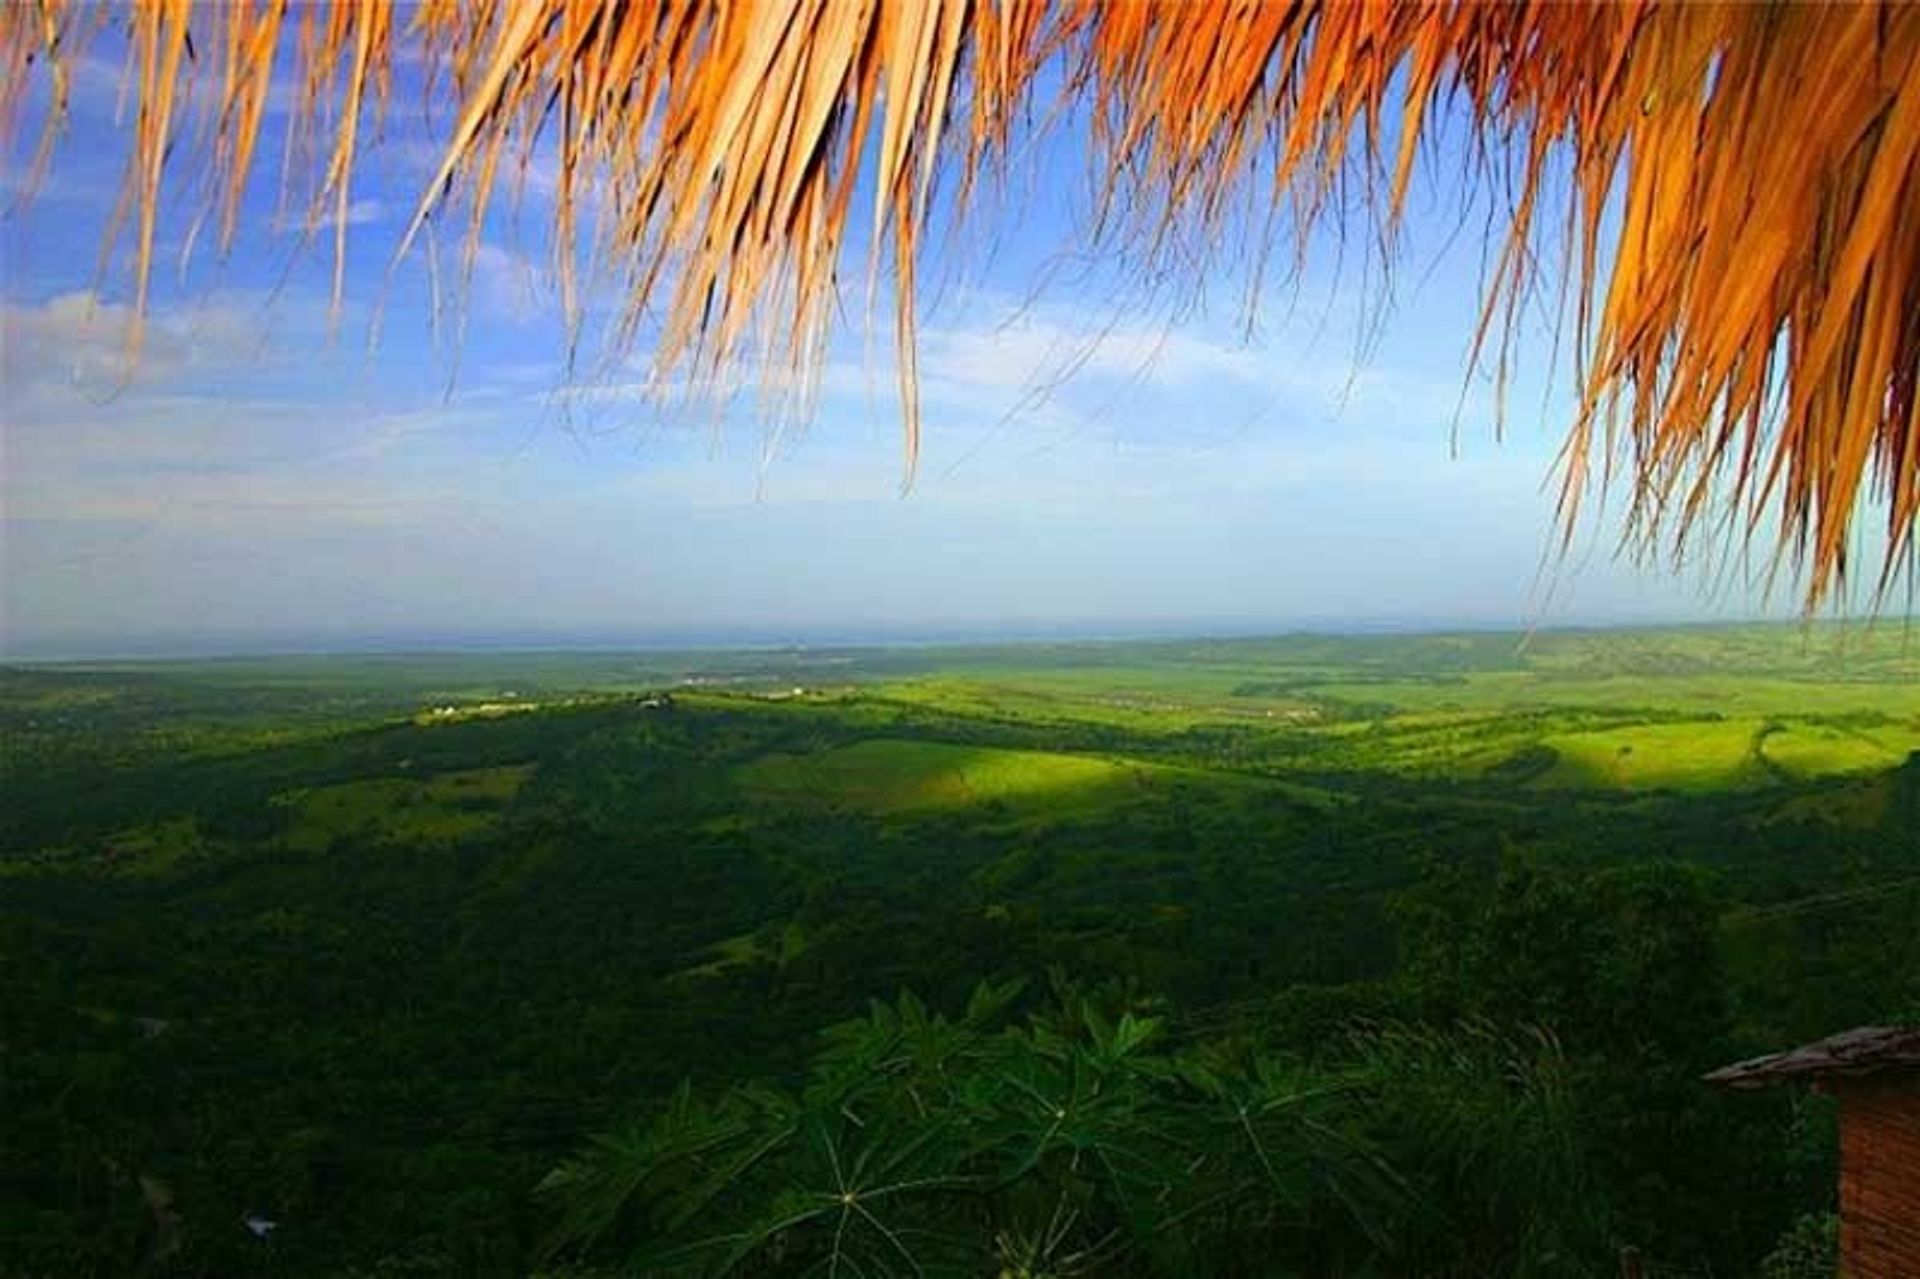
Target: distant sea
870 635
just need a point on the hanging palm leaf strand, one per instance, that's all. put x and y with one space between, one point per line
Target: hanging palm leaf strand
1736 186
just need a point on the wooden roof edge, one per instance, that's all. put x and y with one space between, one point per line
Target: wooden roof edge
1864 1050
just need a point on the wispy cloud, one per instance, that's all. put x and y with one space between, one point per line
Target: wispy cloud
82 342
363 212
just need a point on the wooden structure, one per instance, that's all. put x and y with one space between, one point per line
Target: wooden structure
1875 1073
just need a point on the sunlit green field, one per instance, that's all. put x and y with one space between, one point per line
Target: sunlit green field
881 775
1683 710
401 810
1810 750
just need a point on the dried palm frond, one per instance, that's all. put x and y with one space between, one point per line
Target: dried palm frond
1736 185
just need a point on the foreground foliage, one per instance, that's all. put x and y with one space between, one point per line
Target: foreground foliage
1529 1125
1071 1143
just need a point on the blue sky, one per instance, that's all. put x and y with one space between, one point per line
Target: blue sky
1096 459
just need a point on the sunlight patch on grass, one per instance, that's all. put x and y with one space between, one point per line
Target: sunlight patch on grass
153 849
403 810
1740 694
1813 750
890 775
1726 754
1699 756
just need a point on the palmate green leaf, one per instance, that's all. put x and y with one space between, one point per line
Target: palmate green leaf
701 1196
1132 1033
613 1176
990 1000
923 1145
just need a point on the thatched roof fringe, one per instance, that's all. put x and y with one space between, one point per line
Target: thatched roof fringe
1738 183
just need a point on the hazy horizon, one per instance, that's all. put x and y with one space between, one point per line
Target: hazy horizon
209 646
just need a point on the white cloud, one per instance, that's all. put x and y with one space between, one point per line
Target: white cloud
507 284
214 426
325 216
1041 353
79 341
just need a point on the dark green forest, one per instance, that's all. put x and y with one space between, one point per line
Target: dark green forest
1310 956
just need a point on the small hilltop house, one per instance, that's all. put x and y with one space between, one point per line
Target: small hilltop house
1874 1072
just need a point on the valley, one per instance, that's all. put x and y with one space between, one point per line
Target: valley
343 942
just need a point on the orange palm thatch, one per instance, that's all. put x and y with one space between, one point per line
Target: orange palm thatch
1736 186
